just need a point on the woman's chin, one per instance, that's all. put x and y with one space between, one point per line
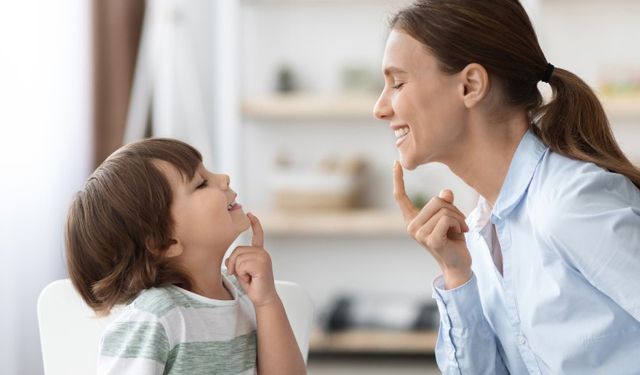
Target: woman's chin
408 163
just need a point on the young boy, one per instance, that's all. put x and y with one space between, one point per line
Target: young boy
149 229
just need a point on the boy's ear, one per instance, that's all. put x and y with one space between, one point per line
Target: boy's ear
174 249
474 84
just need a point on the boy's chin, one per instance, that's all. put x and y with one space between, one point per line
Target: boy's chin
246 224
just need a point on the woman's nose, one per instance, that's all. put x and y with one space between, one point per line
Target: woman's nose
382 110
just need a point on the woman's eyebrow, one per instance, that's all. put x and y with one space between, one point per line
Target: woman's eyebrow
392 70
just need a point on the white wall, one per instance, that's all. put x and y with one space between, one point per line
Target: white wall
593 39
45 102
590 37
314 37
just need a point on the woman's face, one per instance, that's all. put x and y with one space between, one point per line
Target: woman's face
423 105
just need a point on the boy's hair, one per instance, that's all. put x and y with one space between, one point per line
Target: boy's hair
119 225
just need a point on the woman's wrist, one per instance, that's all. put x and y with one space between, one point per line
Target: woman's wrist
454 278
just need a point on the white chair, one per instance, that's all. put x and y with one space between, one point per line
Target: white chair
70 331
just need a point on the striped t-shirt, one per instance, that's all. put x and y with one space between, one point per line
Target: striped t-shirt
170 330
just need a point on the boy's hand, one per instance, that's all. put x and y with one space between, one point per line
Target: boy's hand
440 228
252 267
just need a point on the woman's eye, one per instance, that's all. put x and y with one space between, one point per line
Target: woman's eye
203 184
398 85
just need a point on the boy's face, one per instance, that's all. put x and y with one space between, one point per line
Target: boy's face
206 218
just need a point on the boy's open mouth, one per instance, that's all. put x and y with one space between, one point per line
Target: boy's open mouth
233 206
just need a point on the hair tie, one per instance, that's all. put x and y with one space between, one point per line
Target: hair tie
546 76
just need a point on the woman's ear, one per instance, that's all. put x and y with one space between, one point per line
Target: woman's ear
474 84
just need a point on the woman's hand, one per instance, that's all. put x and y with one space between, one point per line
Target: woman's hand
252 267
439 227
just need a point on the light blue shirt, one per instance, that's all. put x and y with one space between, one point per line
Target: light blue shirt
559 291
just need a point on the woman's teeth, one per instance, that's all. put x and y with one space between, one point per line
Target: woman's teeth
231 205
401 132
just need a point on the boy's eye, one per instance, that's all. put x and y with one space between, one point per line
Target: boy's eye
203 184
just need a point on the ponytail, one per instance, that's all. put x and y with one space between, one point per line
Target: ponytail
575 125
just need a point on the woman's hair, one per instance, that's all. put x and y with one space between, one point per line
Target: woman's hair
119 225
498 35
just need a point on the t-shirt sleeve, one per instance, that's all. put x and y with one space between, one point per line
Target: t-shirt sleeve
133 347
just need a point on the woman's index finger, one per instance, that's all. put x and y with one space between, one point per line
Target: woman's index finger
409 211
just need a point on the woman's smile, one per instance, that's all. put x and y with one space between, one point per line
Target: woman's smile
401 133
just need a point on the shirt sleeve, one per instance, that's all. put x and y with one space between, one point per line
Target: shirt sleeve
466 343
133 347
595 227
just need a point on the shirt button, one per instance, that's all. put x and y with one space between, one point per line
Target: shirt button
521 339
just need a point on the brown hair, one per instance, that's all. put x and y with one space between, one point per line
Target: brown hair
119 224
498 35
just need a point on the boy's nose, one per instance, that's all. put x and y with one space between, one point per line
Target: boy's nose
225 181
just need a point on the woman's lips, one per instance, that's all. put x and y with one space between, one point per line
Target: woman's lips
401 134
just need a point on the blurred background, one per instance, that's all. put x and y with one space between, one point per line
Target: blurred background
279 95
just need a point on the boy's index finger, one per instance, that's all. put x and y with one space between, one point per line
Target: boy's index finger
409 211
257 240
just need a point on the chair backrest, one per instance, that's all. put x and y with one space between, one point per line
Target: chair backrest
300 311
70 331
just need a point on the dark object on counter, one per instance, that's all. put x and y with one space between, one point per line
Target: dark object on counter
428 317
340 317
382 313
285 80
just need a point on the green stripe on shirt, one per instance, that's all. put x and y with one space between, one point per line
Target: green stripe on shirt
136 340
216 357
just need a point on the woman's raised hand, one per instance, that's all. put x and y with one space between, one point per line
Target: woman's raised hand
439 227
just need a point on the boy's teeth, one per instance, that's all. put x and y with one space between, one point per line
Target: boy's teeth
401 132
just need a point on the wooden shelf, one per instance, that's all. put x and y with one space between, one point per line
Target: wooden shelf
371 341
347 222
310 107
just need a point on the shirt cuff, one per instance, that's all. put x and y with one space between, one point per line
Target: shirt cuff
461 304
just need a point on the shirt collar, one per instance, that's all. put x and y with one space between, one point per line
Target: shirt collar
480 216
523 165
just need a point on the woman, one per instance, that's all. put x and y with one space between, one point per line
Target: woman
543 277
